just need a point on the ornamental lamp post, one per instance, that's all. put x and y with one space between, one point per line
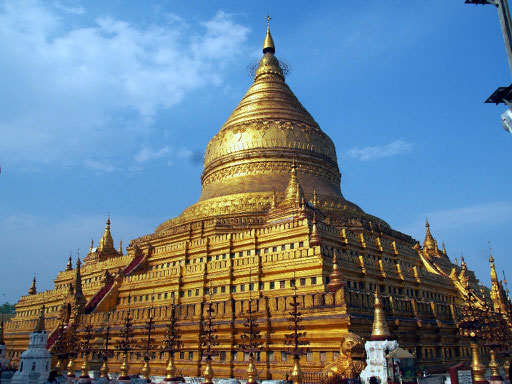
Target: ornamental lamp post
502 94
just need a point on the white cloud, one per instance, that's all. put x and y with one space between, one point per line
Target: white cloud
397 147
68 91
482 214
147 154
99 166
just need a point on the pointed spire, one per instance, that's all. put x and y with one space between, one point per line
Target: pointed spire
462 262
335 278
314 239
380 329
40 322
456 261
274 199
294 191
120 251
444 250
69 267
429 242
106 243
315 199
33 290
268 44
92 246
494 275
269 65
78 278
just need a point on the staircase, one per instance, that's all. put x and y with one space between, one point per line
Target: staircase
103 291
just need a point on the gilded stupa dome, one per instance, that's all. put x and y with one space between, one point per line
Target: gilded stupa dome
248 162
268 129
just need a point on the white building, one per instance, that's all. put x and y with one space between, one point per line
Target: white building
35 362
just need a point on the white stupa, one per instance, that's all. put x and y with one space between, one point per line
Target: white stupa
377 348
35 362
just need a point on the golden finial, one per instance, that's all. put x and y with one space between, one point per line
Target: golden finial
120 251
268 44
314 239
494 275
335 278
380 329
69 267
315 199
40 322
444 249
429 242
92 246
33 290
456 261
106 242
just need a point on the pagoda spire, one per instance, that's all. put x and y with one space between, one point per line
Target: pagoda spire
294 191
268 44
69 267
380 331
40 322
33 290
106 243
120 251
314 239
429 242
444 250
335 278
78 278
273 204
92 246
494 275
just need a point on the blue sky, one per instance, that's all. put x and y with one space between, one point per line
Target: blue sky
108 106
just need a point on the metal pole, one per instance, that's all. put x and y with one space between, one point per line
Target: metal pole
504 14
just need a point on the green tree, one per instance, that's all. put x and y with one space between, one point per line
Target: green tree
7 308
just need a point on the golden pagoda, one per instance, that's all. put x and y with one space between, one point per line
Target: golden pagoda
271 213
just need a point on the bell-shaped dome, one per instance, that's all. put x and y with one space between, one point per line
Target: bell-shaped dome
269 129
247 163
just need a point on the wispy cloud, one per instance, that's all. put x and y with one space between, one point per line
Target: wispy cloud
482 214
99 166
71 90
147 154
397 147
455 220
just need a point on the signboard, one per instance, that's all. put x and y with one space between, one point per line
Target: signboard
461 374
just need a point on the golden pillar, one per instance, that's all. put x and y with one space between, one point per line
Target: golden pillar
146 370
476 364
71 367
170 370
296 375
208 372
104 370
84 374
494 367
252 373
125 367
